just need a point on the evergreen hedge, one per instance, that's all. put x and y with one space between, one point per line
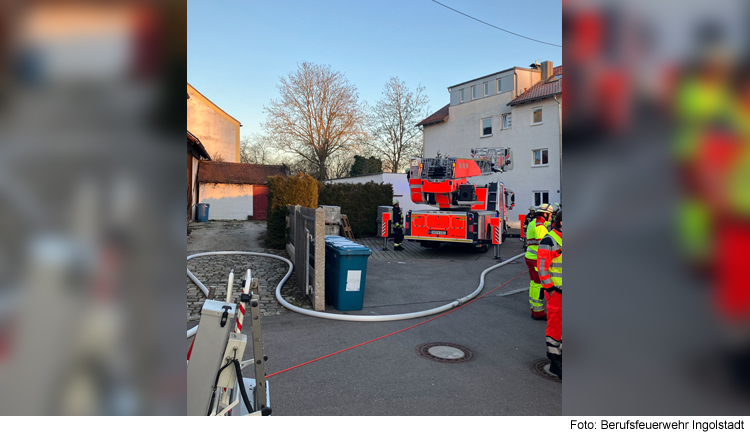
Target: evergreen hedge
359 201
282 191
363 166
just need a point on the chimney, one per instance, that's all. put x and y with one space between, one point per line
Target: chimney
547 69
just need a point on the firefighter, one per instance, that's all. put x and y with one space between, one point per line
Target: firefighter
555 208
534 233
398 226
549 263
529 217
526 221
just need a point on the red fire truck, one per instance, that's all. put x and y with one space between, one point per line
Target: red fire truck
466 213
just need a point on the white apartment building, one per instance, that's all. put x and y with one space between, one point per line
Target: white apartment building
518 108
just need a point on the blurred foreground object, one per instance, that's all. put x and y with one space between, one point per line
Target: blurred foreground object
659 167
92 208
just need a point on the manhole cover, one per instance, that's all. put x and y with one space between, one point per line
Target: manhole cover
445 352
540 367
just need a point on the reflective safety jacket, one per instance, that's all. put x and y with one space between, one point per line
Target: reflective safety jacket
526 221
534 234
549 260
398 218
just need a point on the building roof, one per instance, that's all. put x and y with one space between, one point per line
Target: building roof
237 173
542 89
439 117
197 145
515 68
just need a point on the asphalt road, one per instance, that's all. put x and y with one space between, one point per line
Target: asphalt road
388 377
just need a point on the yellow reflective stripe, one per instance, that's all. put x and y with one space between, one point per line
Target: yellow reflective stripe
557 239
555 268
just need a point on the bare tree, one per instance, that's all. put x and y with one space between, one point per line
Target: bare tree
317 115
295 164
258 149
216 156
395 136
340 164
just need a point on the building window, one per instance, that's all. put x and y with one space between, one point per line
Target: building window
536 114
541 157
486 89
487 127
499 85
473 92
507 121
461 94
541 197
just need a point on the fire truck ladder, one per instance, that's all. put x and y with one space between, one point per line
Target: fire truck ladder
492 197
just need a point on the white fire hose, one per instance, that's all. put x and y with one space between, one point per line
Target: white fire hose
341 317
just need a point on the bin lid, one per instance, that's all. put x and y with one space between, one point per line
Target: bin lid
335 240
339 243
350 248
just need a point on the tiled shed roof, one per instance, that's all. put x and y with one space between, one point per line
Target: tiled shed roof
237 173
196 143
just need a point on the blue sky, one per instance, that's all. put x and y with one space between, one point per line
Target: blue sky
237 50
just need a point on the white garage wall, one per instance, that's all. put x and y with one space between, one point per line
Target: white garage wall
228 201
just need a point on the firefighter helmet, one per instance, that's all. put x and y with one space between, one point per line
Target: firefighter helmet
395 202
545 208
532 208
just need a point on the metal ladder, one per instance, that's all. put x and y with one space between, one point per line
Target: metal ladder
492 196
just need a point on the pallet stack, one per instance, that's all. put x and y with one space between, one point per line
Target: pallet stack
333 220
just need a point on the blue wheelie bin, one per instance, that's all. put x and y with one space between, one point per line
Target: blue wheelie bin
203 212
346 272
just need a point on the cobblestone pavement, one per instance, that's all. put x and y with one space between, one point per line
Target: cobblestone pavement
214 271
